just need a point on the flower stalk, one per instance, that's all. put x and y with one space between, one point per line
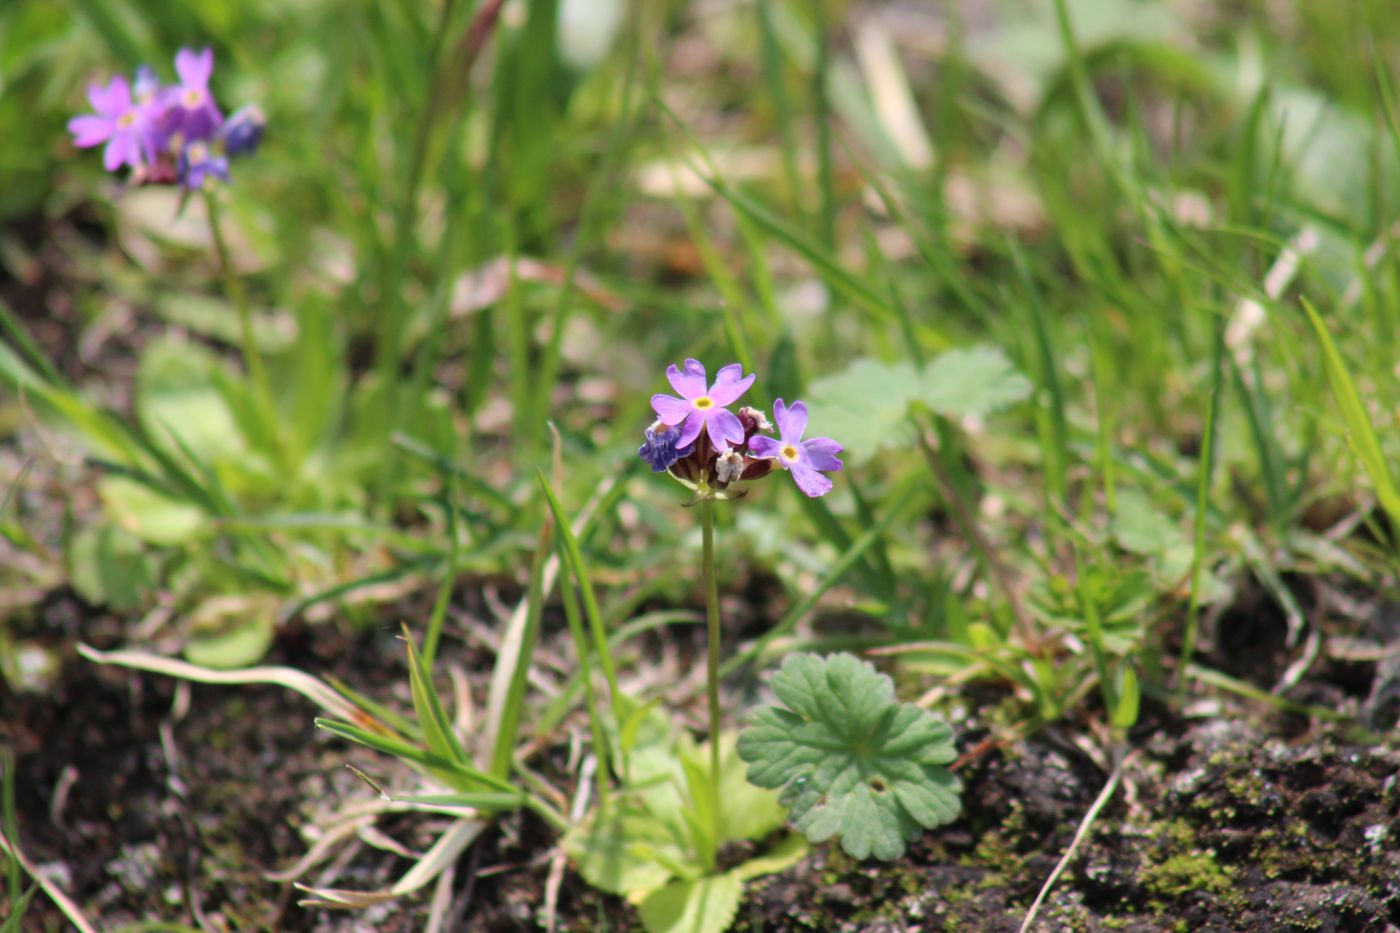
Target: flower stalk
233 287
712 624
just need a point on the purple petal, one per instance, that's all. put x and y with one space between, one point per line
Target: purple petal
194 68
728 386
688 384
783 417
89 130
766 447
796 422
112 100
725 428
691 429
809 480
821 453
671 410
121 150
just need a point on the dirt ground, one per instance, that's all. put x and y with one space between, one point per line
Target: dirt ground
1233 817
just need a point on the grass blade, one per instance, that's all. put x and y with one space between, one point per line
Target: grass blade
432 718
1360 432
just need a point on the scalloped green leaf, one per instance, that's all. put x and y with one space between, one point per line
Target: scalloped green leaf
866 406
851 760
971 383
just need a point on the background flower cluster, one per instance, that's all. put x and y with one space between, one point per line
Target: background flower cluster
167 134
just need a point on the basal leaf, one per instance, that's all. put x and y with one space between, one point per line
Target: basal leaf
705 905
1142 529
149 515
111 567
616 850
228 632
176 393
851 760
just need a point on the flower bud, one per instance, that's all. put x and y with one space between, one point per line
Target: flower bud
756 468
753 421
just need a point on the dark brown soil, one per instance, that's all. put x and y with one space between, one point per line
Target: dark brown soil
1239 820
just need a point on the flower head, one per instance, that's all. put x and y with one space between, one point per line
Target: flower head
701 407
805 460
167 135
190 108
715 452
124 124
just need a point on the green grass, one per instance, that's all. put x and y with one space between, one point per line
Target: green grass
1176 225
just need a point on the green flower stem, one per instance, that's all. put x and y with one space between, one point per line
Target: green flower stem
233 286
707 525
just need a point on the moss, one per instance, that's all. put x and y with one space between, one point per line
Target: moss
1185 873
958 894
995 855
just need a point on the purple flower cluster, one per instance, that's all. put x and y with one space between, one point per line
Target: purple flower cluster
172 134
709 448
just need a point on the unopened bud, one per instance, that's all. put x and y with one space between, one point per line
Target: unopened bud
756 468
754 421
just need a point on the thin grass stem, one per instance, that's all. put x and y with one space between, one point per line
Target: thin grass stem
1193 608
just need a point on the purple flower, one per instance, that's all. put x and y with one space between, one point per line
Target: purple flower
700 407
243 131
661 450
803 459
124 125
190 108
198 163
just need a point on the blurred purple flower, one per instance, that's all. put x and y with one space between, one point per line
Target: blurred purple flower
803 459
168 134
199 162
243 131
700 407
126 126
190 108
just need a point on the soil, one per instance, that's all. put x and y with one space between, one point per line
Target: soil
1240 819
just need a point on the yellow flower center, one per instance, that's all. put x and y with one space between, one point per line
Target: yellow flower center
789 452
125 120
703 402
193 98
